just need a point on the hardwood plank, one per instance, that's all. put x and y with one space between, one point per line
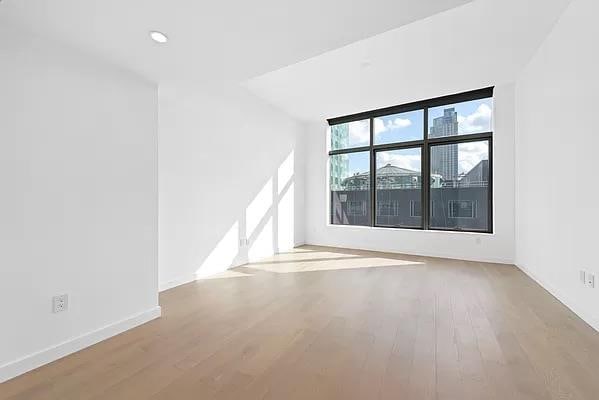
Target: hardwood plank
327 323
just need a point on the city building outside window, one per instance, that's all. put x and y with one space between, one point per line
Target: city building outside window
462 209
387 208
356 208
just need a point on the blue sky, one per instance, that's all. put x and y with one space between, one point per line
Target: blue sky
473 116
399 127
358 162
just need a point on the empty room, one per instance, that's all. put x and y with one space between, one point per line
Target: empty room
384 199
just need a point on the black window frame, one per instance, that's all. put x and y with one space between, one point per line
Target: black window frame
425 146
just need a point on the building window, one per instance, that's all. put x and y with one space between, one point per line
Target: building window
387 208
415 208
435 155
356 208
462 209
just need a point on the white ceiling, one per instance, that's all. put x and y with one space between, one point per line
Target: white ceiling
483 43
211 40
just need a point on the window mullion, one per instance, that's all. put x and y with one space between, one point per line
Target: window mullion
372 176
490 227
425 175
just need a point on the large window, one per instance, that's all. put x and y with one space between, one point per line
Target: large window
424 165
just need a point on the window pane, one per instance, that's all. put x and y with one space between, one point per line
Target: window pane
398 188
399 127
350 188
460 186
351 134
461 118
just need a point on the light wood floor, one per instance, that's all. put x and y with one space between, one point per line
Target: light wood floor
325 323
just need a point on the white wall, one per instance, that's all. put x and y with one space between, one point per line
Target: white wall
78 200
498 247
230 168
557 141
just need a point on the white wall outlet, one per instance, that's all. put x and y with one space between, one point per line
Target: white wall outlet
60 303
583 277
244 242
590 280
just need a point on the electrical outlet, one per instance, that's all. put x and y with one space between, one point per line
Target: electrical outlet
244 242
60 303
583 277
590 280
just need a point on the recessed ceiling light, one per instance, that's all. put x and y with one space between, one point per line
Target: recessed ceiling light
158 37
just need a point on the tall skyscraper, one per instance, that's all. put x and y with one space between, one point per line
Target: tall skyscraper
340 163
444 158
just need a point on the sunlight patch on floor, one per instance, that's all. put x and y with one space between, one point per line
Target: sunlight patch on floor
232 273
325 261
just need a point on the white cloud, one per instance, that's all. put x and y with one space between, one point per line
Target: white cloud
408 161
359 132
381 126
470 154
478 121
399 123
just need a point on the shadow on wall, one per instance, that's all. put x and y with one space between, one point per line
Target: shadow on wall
266 227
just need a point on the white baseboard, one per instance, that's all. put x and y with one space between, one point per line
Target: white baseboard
183 279
36 360
566 300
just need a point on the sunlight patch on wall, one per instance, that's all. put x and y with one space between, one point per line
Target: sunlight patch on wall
223 254
258 208
286 171
262 244
286 220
